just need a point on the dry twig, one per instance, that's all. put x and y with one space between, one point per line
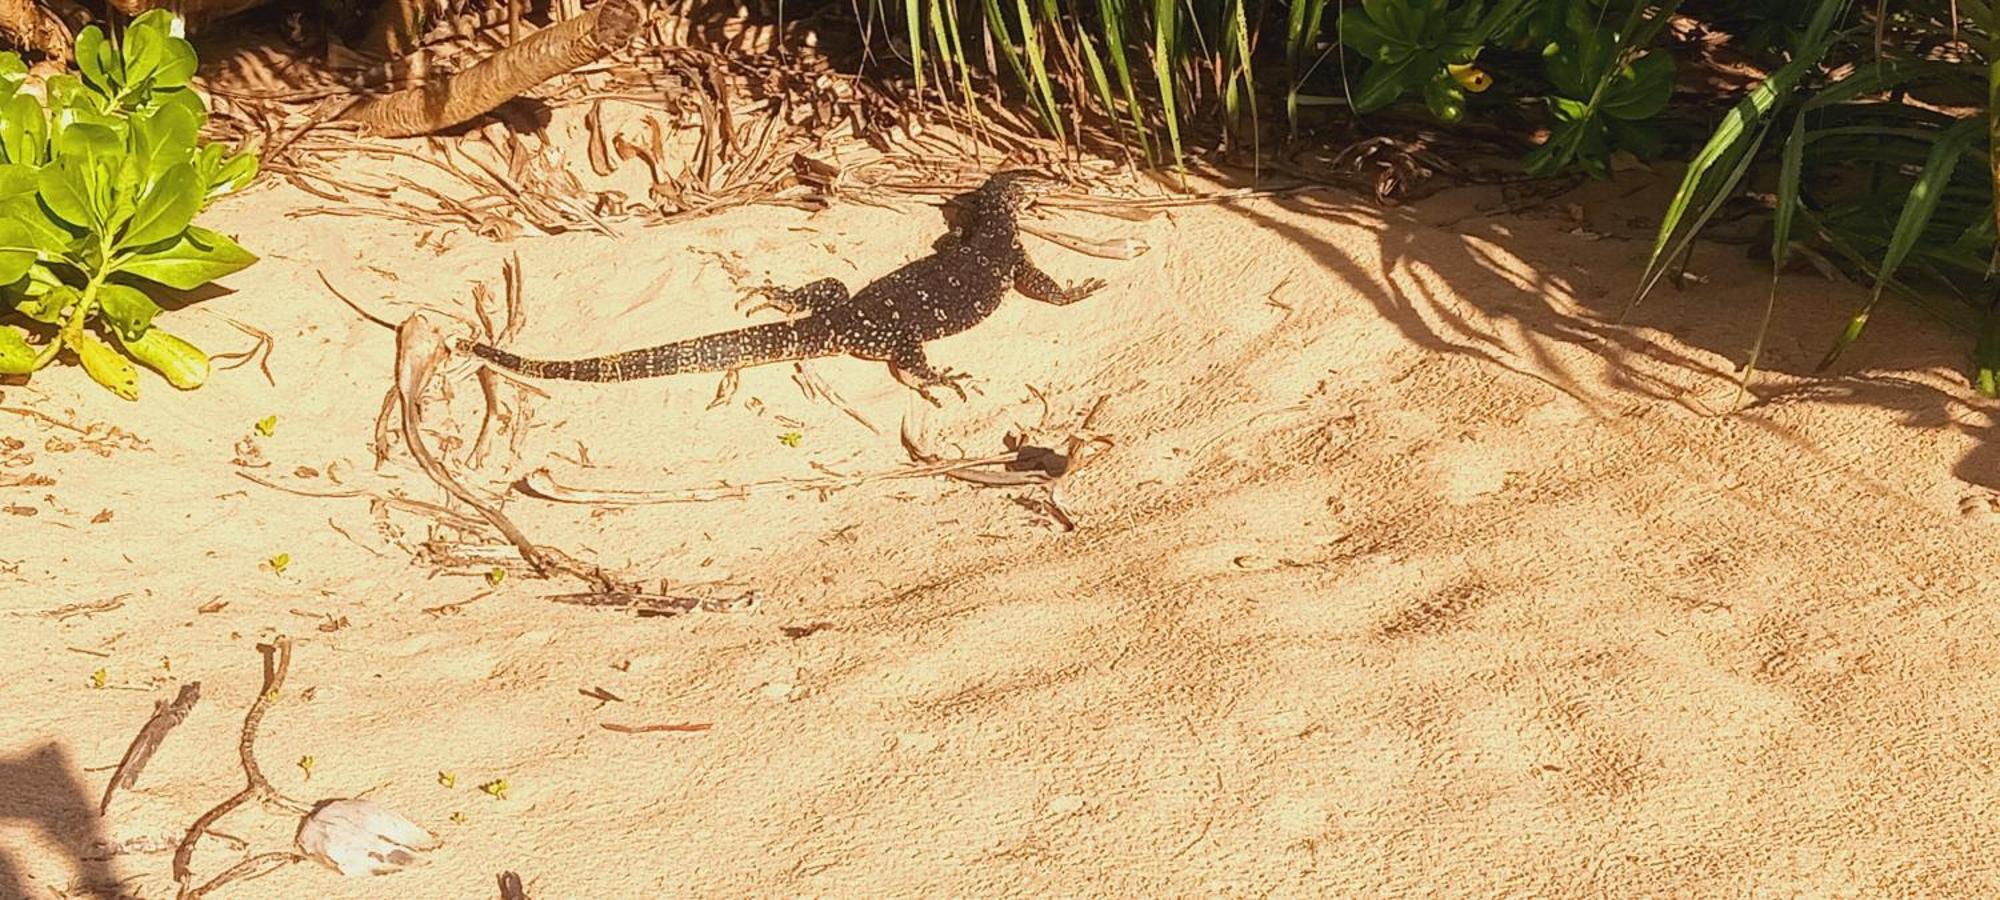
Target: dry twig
277 661
166 717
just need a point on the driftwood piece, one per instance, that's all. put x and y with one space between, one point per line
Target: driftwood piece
166 716
462 96
26 25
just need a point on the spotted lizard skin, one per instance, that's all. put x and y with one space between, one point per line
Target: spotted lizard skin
954 288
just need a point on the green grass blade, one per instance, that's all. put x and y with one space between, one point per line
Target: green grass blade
1916 214
1045 94
1166 33
1789 174
1733 139
1100 83
1111 13
1241 83
913 20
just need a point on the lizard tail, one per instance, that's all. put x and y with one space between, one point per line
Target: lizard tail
755 345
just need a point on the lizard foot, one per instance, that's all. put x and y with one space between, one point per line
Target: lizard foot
945 378
1075 292
818 296
773 297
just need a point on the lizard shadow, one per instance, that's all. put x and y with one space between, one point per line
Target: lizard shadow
40 792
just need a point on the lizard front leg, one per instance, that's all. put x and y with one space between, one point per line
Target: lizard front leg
814 298
915 371
1036 284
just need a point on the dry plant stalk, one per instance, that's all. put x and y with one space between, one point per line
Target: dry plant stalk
198 10
277 661
460 97
420 347
166 717
394 31
26 25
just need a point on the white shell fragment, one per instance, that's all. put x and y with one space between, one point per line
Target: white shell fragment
362 837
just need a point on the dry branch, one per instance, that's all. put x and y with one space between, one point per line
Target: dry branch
166 716
199 10
420 347
277 661
458 98
25 24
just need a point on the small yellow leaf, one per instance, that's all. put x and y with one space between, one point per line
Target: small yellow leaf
496 575
279 562
306 766
497 787
448 779
458 817
1470 77
99 678
267 425
791 438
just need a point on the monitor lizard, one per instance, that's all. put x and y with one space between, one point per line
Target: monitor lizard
954 288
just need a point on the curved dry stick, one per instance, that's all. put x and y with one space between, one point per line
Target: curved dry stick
277 661
457 98
420 347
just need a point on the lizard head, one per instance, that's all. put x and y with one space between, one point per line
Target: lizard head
1016 188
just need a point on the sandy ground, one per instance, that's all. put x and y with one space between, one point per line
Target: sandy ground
1408 573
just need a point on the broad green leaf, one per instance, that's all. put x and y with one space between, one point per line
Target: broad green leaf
17 251
70 101
1360 34
50 304
235 173
24 132
17 356
90 59
197 257
177 63
1384 82
1445 98
45 231
143 51
12 69
1639 91
64 192
184 99
16 179
163 138
89 159
127 308
88 142
165 208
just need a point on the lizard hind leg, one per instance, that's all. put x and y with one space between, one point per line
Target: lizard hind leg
915 371
1037 285
817 297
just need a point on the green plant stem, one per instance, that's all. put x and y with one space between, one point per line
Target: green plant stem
74 325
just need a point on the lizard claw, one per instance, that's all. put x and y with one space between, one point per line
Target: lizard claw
1080 291
768 294
946 378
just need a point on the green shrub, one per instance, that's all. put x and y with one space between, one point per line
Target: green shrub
99 189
